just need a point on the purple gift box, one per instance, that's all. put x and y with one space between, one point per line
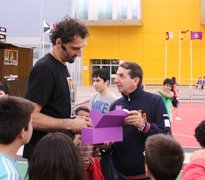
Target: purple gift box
107 127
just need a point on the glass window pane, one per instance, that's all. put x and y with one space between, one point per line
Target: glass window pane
105 9
81 9
121 9
105 61
95 67
114 61
114 69
96 61
36 55
135 9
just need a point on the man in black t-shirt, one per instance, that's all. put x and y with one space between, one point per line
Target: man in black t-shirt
50 84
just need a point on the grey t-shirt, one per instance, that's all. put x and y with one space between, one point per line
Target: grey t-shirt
102 103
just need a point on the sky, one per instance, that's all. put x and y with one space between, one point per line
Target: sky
24 18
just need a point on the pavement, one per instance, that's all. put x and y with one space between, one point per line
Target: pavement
84 93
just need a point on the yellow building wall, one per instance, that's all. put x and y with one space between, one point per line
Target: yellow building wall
146 44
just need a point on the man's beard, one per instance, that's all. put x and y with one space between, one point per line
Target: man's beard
71 60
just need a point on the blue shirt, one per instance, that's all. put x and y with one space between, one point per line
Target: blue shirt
8 168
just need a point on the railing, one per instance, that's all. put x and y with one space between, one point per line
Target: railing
186 91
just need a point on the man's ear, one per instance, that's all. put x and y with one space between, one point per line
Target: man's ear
136 81
23 136
107 81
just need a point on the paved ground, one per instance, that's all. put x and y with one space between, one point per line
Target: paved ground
84 93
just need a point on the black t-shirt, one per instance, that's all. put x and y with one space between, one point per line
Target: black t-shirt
48 86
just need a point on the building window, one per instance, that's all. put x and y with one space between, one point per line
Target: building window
122 9
97 12
135 9
81 9
105 61
104 9
110 64
36 55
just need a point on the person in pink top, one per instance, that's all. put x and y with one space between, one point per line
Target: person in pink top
196 168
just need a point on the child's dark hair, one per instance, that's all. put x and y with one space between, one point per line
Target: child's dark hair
55 158
82 108
15 115
173 79
164 156
102 73
167 81
200 133
4 87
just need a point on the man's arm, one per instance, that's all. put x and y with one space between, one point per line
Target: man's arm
160 122
47 123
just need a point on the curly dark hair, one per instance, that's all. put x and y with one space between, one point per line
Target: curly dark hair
67 29
200 133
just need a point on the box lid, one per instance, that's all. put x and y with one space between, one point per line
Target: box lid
113 118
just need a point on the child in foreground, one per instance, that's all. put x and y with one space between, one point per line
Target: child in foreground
195 169
89 154
15 130
55 158
163 157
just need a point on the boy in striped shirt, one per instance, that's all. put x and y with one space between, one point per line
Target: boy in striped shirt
15 130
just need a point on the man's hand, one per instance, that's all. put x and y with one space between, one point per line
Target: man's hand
80 122
134 118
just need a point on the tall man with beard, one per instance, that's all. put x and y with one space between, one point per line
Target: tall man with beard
50 84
